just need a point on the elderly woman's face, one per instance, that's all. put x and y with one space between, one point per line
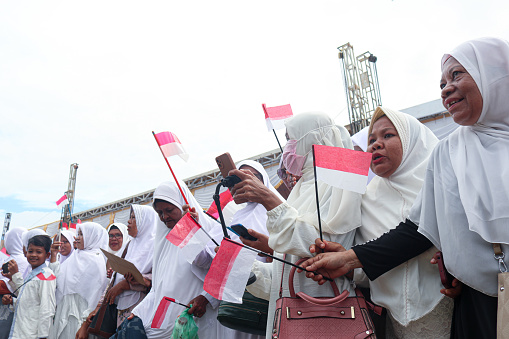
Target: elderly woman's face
460 94
168 213
385 144
116 239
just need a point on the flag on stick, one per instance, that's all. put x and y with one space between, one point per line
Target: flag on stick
170 145
229 271
160 315
62 201
224 199
341 167
275 116
188 235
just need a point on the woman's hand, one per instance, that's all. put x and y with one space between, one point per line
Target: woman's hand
261 244
190 210
199 306
92 314
457 285
7 299
330 264
109 273
251 189
83 331
115 291
325 246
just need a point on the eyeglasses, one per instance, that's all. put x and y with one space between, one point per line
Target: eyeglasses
118 236
281 173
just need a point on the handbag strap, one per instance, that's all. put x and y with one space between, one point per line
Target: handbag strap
499 255
292 274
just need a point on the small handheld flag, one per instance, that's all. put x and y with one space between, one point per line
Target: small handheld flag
342 168
62 201
170 145
224 199
174 148
160 320
275 116
229 272
188 235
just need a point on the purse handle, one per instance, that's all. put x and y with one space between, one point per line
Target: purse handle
317 301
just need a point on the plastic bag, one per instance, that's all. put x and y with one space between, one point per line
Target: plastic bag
185 327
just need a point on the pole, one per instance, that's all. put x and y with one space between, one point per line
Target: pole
174 177
316 192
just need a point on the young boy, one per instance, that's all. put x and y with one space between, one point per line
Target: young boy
35 304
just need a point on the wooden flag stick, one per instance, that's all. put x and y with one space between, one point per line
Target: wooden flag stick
174 177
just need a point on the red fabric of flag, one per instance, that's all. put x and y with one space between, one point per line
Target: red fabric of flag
170 145
224 199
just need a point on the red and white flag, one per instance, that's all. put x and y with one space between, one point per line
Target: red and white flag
224 199
62 201
341 167
229 272
171 145
44 275
188 235
160 320
275 116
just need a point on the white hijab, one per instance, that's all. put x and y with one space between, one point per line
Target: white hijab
339 209
140 251
69 235
480 153
254 215
84 272
14 246
125 238
411 290
462 207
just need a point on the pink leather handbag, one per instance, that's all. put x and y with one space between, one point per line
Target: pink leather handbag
301 316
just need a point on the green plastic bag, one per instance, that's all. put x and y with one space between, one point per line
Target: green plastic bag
185 327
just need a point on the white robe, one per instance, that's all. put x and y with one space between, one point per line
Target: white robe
35 305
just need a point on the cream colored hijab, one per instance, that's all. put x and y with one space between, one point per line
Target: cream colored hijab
411 290
339 209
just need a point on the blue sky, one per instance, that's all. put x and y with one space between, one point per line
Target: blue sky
87 82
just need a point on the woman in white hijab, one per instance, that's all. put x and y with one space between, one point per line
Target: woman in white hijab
462 207
117 244
140 251
173 276
81 279
14 246
293 225
66 248
254 215
401 147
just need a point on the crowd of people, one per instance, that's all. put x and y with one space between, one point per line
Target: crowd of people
425 196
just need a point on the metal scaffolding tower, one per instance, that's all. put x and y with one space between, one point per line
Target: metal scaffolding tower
7 223
361 86
66 216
